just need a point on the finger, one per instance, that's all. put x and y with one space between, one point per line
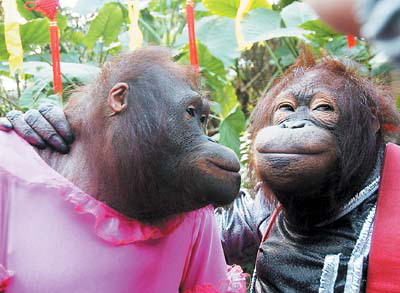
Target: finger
42 127
5 124
24 130
56 117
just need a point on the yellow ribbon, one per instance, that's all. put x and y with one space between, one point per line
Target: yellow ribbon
12 20
135 34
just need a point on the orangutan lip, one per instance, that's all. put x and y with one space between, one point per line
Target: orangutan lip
225 167
287 153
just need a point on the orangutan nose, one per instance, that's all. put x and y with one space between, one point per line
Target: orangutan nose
295 124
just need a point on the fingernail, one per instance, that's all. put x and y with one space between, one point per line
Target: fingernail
39 145
70 138
59 145
5 124
64 149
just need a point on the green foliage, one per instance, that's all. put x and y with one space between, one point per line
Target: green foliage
228 8
3 50
265 24
231 128
212 68
105 26
338 47
320 33
35 33
218 35
227 100
297 13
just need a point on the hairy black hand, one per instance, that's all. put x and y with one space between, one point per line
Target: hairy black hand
42 127
55 116
24 130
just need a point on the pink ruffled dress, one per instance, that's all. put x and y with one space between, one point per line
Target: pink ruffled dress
54 238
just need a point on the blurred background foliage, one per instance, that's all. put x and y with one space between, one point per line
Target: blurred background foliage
235 78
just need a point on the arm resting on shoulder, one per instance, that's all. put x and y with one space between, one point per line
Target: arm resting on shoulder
46 126
241 226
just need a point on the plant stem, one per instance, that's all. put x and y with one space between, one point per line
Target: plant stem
101 53
150 30
290 47
215 117
7 98
274 57
170 37
255 77
11 103
18 87
3 90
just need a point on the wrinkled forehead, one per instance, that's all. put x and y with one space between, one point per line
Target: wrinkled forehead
314 81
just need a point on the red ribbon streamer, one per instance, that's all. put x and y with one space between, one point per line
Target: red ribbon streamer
55 57
194 58
351 41
49 9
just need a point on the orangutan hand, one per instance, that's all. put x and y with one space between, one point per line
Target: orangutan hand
42 127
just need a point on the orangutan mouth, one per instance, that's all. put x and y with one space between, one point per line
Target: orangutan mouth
225 166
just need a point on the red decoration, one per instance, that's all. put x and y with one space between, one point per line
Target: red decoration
5 278
351 41
384 257
194 58
275 214
49 9
390 127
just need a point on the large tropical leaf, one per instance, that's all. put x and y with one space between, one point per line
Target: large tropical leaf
218 35
228 8
297 13
3 50
321 33
231 128
212 69
33 93
35 32
320 28
106 25
264 24
227 100
209 62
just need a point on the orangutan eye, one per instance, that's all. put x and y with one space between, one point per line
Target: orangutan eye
286 107
203 119
190 111
324 108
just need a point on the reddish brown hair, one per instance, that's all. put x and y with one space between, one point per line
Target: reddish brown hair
124 150
362 103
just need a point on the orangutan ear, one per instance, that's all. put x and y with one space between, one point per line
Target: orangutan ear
376 124
118 98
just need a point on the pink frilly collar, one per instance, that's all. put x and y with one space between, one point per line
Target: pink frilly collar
109 225
116 228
